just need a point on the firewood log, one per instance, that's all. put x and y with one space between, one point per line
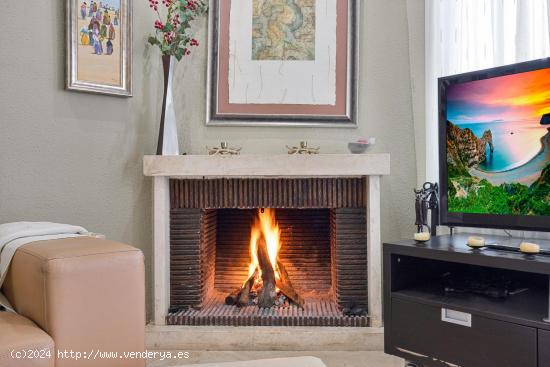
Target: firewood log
285 285
244 295
233 297
267 296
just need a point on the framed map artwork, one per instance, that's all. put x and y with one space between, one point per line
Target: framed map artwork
283 63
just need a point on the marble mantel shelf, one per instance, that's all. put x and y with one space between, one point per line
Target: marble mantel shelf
323 165
163 168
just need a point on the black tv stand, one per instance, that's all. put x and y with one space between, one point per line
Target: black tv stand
495 316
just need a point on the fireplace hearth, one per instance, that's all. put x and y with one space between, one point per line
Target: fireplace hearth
316 272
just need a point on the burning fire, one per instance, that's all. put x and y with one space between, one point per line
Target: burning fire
265 225
268 283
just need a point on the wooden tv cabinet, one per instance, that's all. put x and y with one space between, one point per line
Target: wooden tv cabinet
430 326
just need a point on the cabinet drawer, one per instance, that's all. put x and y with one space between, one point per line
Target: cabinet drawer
463 339
544 348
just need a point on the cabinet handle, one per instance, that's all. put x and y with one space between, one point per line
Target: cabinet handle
456 317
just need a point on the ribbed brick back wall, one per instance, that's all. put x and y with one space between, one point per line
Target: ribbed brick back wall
324 242
248 193
349 256
192 256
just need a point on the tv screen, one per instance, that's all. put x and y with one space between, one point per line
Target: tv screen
495 147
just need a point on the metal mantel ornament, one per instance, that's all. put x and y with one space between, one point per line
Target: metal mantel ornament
223 149
303 149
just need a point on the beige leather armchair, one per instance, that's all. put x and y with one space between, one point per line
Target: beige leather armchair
81 295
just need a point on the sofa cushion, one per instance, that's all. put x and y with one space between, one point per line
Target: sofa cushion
22 343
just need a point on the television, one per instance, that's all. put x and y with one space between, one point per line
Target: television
494 147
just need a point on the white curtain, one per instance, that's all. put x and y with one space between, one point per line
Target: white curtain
467 35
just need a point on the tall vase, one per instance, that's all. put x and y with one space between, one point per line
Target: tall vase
168 133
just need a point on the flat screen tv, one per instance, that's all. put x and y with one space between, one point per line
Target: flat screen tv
494 147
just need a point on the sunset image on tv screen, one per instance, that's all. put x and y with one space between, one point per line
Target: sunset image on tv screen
498 136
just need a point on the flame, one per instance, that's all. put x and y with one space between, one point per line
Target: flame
266 225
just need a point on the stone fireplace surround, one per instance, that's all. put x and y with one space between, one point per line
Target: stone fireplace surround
347 170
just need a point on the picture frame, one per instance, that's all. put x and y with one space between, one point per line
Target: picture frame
236 98
99 46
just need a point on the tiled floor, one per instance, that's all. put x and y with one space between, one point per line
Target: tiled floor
331 359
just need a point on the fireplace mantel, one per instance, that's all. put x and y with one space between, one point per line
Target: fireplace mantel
164 168
321 165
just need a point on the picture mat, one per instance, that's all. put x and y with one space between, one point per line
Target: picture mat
282 81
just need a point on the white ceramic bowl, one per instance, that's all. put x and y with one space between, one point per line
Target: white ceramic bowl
358 148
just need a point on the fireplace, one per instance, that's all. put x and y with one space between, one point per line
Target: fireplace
194 199
319 272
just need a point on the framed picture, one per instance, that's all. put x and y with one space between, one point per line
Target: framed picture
99 46
283 63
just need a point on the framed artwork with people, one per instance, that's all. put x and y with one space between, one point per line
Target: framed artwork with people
99 41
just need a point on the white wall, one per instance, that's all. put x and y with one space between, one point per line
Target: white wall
76 158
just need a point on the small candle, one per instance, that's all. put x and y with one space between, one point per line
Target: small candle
476 242
422 236
529 248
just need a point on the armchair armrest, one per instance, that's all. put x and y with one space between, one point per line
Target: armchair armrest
86 293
